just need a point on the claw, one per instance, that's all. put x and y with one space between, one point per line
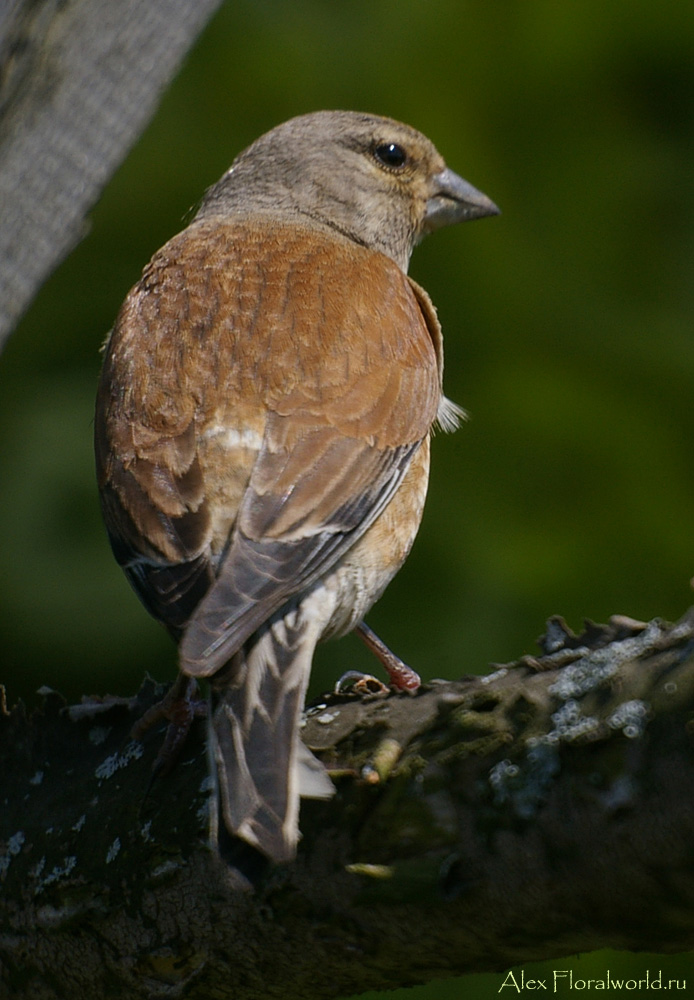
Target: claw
359 683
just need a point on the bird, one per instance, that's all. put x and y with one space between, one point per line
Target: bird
264 411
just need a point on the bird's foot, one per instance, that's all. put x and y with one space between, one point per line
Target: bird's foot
402 677
179 707
355 682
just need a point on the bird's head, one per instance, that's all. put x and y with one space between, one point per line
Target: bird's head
373 179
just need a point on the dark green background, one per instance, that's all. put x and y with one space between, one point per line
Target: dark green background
568 325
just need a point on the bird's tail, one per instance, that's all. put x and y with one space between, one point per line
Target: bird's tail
260 763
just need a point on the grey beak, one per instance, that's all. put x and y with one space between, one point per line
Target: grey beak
454 200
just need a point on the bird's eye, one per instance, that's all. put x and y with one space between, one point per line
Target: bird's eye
390 155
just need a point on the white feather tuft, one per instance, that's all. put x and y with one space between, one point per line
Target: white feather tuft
450 415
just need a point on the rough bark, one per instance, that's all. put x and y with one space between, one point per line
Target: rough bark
544 809
79 80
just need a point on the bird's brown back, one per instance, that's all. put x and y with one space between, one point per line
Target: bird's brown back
250 331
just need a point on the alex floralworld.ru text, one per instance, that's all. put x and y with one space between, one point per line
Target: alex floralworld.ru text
564 979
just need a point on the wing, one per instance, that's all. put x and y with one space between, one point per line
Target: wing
244 450
154 505
286 539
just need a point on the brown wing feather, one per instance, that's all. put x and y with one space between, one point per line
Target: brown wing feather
260 574
251 409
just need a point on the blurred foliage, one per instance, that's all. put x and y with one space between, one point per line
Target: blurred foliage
567 323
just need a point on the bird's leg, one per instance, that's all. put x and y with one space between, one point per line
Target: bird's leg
402 677
179 706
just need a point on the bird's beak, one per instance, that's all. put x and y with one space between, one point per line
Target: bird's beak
454 200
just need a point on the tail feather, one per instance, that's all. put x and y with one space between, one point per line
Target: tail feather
261 765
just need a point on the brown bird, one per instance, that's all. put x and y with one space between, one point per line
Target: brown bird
262 430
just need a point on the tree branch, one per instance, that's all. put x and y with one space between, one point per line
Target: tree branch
544 809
